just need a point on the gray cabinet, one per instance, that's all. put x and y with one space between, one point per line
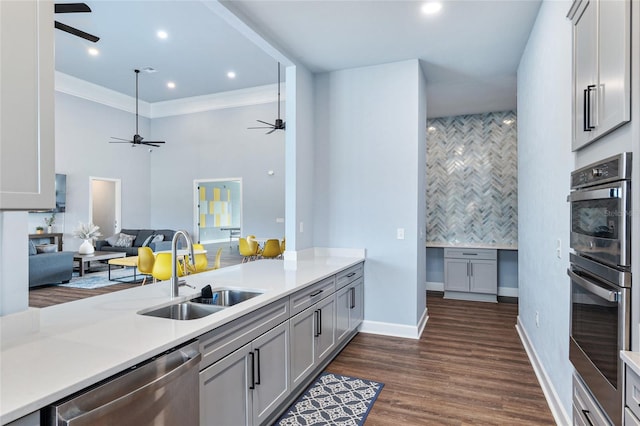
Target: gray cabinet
349 308
601 68
471 273
631 397
27 105
312 338
246 386
586 411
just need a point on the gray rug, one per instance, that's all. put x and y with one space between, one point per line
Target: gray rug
333 399
101 279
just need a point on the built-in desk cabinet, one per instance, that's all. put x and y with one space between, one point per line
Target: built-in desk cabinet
632 398
349 301
27 175
471 273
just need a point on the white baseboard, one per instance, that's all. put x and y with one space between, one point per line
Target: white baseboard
502 291
395 330
555 405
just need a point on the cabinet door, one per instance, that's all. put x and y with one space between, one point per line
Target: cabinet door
456 275
302 328
27 105
326 338
343 313
224 391
271 352
357 304
484 276
585 73
614 64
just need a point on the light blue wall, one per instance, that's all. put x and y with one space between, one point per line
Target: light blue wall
544 165
356 202
217 145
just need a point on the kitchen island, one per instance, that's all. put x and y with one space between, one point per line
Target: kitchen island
47 354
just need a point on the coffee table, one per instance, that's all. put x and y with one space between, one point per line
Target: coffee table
129 261
84 260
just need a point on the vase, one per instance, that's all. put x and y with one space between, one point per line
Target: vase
86 247
49 229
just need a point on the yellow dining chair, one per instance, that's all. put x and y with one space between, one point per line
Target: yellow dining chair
283 246
254 244
146 259
246 250
162 267
216 263
201 263
271 249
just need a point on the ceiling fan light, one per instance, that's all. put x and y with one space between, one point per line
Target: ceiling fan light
431 7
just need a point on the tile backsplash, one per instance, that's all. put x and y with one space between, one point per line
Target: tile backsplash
472 179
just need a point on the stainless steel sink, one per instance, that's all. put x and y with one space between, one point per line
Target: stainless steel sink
226 297
184 311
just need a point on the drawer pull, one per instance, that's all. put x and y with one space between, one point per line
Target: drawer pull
351 274
586 416
469 254
315 293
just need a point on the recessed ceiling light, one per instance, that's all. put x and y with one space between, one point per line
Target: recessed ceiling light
162 34
93 51
171 85
431 7
231 74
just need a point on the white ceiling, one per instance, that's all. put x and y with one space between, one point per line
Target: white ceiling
469 51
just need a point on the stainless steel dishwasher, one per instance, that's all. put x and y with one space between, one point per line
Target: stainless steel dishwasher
161 391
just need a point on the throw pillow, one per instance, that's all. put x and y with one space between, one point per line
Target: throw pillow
157 238
46 248
32 248
125 240
148 240
112 240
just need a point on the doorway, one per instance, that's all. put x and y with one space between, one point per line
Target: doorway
105 205
218 209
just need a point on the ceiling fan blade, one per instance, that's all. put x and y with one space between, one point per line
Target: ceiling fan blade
150 142
263 127
76 32
121 139
264 122
271 131
71 8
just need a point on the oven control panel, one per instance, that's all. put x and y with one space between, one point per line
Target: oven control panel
610 169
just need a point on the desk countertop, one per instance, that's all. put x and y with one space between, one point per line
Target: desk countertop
496 246
47 354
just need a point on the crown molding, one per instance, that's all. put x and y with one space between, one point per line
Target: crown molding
99 94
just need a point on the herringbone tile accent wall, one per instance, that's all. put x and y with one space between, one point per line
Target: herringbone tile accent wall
472 179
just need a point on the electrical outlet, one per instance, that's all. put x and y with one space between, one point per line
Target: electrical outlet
400 233
537 319
559 248
301 227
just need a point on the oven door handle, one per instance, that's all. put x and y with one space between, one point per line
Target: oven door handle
596 194
609 295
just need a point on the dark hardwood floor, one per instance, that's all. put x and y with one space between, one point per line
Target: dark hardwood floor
469 367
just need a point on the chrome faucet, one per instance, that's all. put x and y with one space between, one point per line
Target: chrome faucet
174 262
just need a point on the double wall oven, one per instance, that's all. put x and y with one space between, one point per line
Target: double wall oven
600 272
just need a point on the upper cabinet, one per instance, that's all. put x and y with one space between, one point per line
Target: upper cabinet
601 68
27 173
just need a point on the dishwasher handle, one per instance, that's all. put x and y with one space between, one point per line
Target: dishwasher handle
88 416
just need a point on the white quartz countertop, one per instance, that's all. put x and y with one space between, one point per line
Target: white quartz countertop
47 354
632 359
496 246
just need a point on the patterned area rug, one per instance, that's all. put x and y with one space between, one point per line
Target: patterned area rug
333 400
101 279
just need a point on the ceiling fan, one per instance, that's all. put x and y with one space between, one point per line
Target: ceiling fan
137 139
279 124
73 8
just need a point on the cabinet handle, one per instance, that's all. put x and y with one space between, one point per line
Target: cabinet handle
585 111
467 268
253 371
588 125
353 298
469 254
315 293
586 416
258 362
351 274
471 268
319 322
316 321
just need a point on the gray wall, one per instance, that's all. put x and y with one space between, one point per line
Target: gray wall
207 145
356 203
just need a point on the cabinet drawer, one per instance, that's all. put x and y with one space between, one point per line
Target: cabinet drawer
461 253
629 418
586 410
349 275
632 391
304 298
220 342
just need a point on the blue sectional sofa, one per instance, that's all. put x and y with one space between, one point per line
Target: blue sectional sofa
50 268
141 236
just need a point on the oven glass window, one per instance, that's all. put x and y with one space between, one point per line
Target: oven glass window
594 327
596 218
